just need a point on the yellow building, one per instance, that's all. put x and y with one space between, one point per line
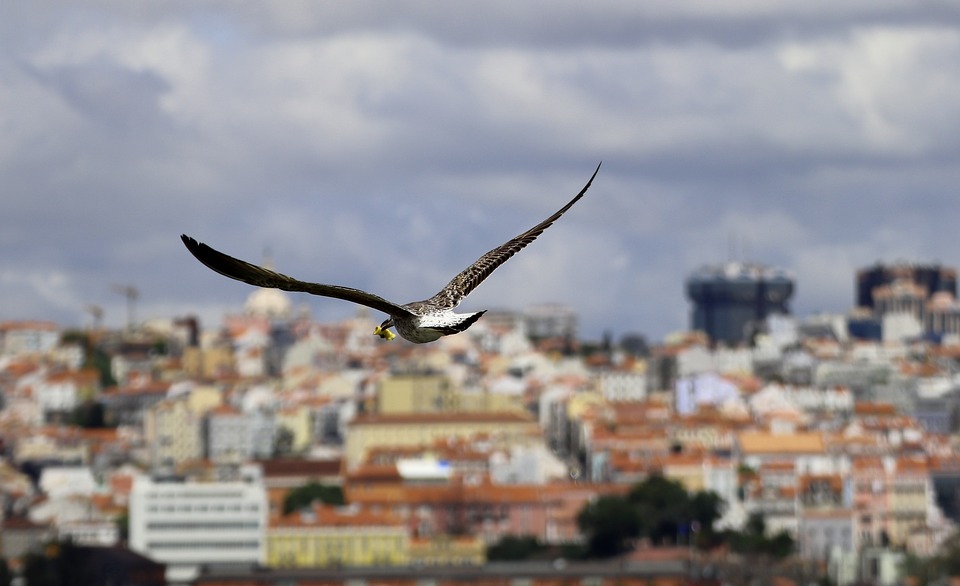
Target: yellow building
173 427
203 398
436 393
444 550
332 536
475 402
208 363
369 431
687 469
299 421
907 495
416 393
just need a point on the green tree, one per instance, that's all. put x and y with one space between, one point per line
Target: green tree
283 442
752 540
123 525
90 414
95 355
946 562
667 510
658 508
514 547
609 523
663 506
306 495
706 507
6 576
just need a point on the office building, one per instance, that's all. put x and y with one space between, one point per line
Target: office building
186 524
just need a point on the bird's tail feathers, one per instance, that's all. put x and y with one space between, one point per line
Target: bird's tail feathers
466 323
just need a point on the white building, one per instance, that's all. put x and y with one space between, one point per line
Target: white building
59 481
623 386
74 514
551 320
103 533
233 435
186 524
28 337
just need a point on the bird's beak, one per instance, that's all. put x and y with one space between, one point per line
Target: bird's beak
386 334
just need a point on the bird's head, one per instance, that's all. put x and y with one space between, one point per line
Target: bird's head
383 330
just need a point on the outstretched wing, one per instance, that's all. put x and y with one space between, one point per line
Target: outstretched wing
468 280
248 273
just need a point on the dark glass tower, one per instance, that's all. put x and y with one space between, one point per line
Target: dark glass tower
731 301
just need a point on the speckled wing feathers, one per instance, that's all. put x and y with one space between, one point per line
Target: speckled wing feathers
249 273
468 280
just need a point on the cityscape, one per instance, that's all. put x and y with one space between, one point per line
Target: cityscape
753 447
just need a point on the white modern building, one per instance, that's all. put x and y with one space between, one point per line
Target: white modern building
186 524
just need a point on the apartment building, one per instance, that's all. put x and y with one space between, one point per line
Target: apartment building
174 432
369 431
235 435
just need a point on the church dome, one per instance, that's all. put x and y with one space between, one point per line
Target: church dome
269 303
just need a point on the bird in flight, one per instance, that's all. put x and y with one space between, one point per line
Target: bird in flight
419 321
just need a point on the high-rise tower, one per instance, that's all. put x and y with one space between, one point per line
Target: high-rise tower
732 300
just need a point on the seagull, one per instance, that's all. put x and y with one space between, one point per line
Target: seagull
420 321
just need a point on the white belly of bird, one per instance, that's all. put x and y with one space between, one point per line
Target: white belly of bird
428 328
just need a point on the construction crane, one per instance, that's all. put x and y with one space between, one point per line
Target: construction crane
132 294
96 312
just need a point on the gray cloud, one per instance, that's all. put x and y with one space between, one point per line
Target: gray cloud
386 145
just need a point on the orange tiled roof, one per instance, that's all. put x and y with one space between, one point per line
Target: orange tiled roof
300 467
777 467
322 516
866 463
757 442
375 473
863 408
148 388
432 418
20 368
911 465
80 377
834 480
47 326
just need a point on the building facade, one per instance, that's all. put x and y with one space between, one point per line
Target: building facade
329 536
369 431
186 524
174 432
931 278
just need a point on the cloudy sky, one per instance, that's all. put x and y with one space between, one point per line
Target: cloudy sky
386 145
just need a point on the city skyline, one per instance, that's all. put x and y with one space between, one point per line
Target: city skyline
385 145
296 306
